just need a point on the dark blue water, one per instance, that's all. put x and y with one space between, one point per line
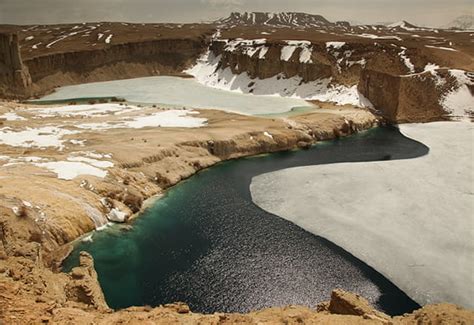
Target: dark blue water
205 243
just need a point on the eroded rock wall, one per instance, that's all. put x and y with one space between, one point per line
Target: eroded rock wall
14 77
129 60
408 98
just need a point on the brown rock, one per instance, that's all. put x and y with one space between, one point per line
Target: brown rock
77 273
84 286
345 303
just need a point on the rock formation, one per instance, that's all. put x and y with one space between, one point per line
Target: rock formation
15 79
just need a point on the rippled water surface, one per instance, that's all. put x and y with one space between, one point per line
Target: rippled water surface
205 243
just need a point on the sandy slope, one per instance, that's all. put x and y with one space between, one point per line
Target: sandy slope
411 219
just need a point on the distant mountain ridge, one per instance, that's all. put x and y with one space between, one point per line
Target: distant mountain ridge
282 19
296 20
461 22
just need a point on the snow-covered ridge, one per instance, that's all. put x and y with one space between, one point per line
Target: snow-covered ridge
281 19
407 26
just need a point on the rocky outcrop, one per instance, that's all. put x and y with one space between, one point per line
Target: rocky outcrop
345 303
84 287
32 294
14 76
411 98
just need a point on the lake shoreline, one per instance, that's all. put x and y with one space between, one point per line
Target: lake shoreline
206 205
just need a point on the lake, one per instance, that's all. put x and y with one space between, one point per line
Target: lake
207 244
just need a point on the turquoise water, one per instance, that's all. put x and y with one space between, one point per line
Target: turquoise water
205 242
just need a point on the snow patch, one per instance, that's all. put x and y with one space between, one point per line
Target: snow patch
268 135
406 61
115 215
69 170
305 55
372 36
47 136
109 38
12 116
441 48
168 119
335 45
82 110
287 52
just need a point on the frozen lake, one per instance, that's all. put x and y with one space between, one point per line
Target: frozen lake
175 91
412 220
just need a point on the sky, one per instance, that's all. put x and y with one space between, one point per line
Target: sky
421 12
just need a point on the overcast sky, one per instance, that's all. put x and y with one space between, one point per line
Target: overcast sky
423 12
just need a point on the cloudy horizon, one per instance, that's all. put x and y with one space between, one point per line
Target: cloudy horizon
421 12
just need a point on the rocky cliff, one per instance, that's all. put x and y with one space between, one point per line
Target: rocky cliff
37 59
14 77
130 60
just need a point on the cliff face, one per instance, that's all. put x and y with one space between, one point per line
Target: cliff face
168 56
400 83
35 60
14 76
403 99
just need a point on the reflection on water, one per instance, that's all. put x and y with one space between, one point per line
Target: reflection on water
205 242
